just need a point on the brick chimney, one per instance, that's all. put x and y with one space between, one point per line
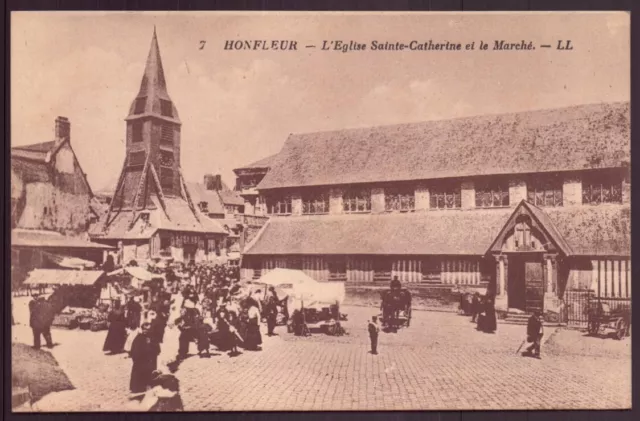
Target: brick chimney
209 182
218 182
63 128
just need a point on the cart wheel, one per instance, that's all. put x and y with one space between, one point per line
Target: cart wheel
620 329
409 317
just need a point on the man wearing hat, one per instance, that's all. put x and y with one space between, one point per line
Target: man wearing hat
535 330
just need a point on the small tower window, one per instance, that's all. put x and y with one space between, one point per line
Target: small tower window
136 159
166 108
139 105
136 132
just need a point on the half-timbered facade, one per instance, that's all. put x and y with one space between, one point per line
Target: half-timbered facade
52 205
152 214
526 204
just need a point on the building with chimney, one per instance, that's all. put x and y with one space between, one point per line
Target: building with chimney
52 205
529 205
152 214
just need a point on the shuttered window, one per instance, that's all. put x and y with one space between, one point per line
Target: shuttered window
136 131
166 133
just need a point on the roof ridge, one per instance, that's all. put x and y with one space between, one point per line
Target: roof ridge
447 120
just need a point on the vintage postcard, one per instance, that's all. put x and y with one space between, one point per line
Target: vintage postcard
320 211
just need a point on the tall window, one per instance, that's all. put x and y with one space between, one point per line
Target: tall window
602 188
545 192
445 196
317 203
166 133
399 199
279 205
357 201
523 233
166 109
136 131
492 195
139 105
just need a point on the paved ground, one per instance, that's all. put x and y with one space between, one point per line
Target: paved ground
440 362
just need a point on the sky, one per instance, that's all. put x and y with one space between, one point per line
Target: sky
237 107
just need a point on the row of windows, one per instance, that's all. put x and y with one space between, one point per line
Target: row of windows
402 199
166 108
167 132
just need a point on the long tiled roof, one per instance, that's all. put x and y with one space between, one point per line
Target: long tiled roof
589 230
571 138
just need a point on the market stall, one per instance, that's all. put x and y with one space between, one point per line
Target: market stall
313 305
75 298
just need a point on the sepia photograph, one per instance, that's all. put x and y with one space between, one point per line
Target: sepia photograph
261 211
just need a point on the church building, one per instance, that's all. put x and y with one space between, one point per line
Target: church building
528 205
152 214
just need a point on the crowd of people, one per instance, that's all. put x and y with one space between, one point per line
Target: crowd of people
207 304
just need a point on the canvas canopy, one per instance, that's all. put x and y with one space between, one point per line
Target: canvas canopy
281 277
69 262
63 277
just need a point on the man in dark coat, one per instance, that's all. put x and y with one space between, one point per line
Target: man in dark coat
188 325
133 313
144 354
534 335
271 310
40 319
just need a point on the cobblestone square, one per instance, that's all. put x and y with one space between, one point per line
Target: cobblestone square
439 363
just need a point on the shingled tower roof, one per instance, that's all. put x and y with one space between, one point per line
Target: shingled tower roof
153 88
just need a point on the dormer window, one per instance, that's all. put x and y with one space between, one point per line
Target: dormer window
204 207
445 196
315 203
602 188
166 108
492 195
400 199
545 192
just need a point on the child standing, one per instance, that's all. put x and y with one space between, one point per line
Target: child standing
373 334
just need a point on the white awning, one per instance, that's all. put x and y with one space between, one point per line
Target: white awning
63 277
69 262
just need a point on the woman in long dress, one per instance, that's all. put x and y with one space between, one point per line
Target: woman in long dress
253 340
490 322
117 335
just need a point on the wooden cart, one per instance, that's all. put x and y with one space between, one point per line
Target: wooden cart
602 320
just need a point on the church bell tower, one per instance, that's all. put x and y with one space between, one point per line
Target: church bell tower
152 162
